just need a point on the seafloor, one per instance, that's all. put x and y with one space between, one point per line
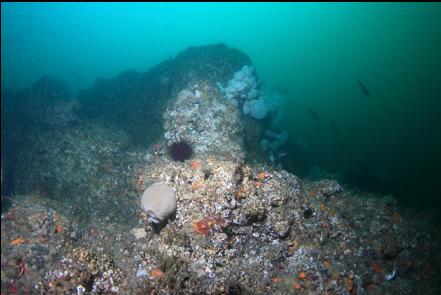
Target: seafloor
73 169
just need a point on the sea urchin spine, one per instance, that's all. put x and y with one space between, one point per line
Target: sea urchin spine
180 150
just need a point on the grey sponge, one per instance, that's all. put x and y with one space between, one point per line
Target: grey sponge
159 202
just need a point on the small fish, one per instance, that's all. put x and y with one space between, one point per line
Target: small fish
363 89
281 90
74 75
282 154
271 134
312 113
334 127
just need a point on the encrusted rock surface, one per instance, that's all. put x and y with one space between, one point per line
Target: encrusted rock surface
240 226
202 116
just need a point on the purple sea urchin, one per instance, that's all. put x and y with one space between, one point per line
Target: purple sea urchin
180 150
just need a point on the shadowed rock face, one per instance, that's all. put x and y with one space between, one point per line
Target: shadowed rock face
137 101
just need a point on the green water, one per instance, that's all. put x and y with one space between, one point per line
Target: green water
388 142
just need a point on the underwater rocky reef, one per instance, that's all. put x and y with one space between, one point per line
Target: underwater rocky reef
74 169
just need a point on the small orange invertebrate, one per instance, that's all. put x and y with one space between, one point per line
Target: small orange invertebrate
156 273
292 247
204 225
395 218
302 275
240 193
261 176
349 284
327 263
195 164
58 229
197 185
232 241
276 280
212 251
17 241
376 266
298 286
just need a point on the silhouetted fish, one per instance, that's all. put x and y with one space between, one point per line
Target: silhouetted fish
75 75
334 127
363 88
312 113
281 90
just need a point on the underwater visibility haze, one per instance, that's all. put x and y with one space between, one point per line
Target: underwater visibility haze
188 148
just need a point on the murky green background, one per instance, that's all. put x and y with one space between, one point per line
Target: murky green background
388 142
